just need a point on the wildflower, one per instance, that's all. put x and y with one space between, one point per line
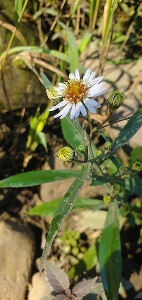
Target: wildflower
77 94
66 154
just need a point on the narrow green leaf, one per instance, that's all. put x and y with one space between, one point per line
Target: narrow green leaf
46 82
72 132
18 6
75 6
132 184
128 131
63 210
110 253
87 262
30 49
37 177
84 41
49 208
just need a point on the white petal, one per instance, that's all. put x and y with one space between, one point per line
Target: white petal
91 77
97 90
92 102
72 114
97 80
77 75
63 103
91 108
87 74
72 76
83 110
75 111
78 109
64 111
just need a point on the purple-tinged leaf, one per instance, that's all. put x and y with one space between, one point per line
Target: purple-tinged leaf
60 297
85 287
57 277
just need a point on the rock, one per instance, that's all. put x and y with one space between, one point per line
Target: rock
40 288
17 248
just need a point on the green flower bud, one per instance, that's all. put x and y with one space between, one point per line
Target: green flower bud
137 166
82 149
65 154
115 100
108 145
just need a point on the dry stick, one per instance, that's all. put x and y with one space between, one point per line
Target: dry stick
132 20
93 24
105 52
54 23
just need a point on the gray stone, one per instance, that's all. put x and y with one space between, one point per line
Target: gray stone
39 288
17 249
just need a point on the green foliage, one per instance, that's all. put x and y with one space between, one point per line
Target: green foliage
110 253
87 262
136 155
36 136
18 6
72 132
37 177
132 184
128 131
63 210
49 208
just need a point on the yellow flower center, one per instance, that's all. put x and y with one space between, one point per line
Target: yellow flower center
75 91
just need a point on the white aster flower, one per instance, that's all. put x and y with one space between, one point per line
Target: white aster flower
77 94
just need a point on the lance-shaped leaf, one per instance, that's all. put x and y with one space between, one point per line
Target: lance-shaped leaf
128 131
49 208
110 253
72 132
132 184
63 210
57 277
37 177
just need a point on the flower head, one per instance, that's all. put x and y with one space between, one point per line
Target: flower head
65 154
77 94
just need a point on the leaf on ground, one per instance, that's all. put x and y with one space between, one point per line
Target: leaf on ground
85 287
57 277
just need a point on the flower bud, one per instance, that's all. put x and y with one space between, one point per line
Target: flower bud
66 154
137 166
108 145
82 149
115 100
99 152
51 93
107 198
